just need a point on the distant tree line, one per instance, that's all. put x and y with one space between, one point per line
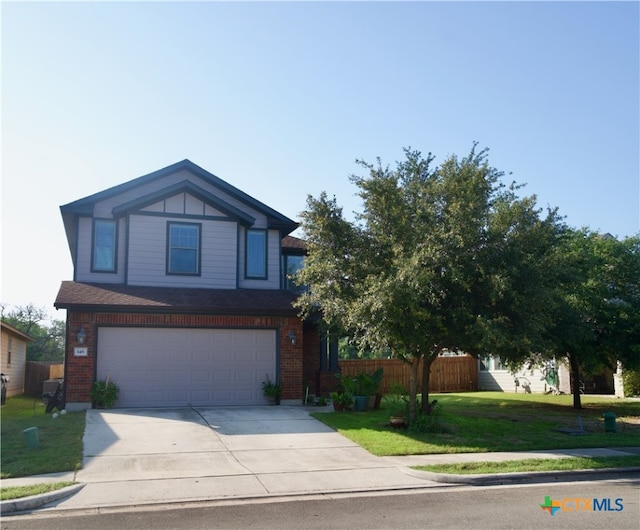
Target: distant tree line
48 335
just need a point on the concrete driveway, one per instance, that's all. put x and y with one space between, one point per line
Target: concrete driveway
145 456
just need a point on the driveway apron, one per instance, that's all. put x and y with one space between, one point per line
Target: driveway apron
146 456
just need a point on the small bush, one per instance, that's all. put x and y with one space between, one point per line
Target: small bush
424 422
104 393
631 381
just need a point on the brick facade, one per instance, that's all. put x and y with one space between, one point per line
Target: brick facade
80 372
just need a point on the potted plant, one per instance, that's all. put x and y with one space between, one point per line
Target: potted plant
104 394
272 390
365 388
369 385
353 386
341 400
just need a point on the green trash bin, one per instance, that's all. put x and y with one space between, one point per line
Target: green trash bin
609 422
32 438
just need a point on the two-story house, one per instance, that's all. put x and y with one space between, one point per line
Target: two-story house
180 294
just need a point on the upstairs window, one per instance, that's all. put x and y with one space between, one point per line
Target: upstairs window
256 254
183 248
104 246
292 264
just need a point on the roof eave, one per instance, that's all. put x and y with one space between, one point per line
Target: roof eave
97 308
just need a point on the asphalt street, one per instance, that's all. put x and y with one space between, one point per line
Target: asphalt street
480 508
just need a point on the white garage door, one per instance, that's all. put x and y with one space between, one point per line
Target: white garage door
159 367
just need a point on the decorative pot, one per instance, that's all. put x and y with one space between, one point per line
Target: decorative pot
360 403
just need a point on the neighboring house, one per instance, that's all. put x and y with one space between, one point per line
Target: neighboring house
180 294
14 358
493 375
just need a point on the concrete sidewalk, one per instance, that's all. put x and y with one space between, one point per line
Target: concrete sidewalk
140 457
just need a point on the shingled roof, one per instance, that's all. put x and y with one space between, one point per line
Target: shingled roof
294 244
104 297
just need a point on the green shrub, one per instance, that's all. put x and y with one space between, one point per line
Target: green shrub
271 389
104 393
424 422
631 381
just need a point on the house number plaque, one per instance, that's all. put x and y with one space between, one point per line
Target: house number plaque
81 352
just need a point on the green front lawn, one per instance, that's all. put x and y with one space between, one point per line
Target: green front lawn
494 421
60 439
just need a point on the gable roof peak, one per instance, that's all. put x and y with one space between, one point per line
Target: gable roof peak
85 205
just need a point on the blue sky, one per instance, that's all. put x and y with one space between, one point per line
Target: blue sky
280 99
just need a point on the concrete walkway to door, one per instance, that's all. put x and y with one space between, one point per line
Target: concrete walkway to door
148 456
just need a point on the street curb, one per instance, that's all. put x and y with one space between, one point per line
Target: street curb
36 501
531 477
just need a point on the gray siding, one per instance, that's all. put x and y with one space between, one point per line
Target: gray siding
148 254
141 259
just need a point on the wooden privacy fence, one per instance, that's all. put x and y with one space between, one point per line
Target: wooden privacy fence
37 373
448 374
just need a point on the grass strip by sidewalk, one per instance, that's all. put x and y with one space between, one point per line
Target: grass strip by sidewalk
534 464
18 492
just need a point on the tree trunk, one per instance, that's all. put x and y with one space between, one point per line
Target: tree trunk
426 372
575 381
413 387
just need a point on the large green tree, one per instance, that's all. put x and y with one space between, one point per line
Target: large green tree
596 308
439 258
48 338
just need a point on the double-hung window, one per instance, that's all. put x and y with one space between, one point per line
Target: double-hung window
292 264
104 245
183 248
256 246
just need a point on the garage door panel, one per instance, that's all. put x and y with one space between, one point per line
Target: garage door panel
222 377
200 376
178 395
130 396
182 367
244 356
263 358
155 377
225 355
179 355
242 396
200 356
180 377
244 377
223 396
200 396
